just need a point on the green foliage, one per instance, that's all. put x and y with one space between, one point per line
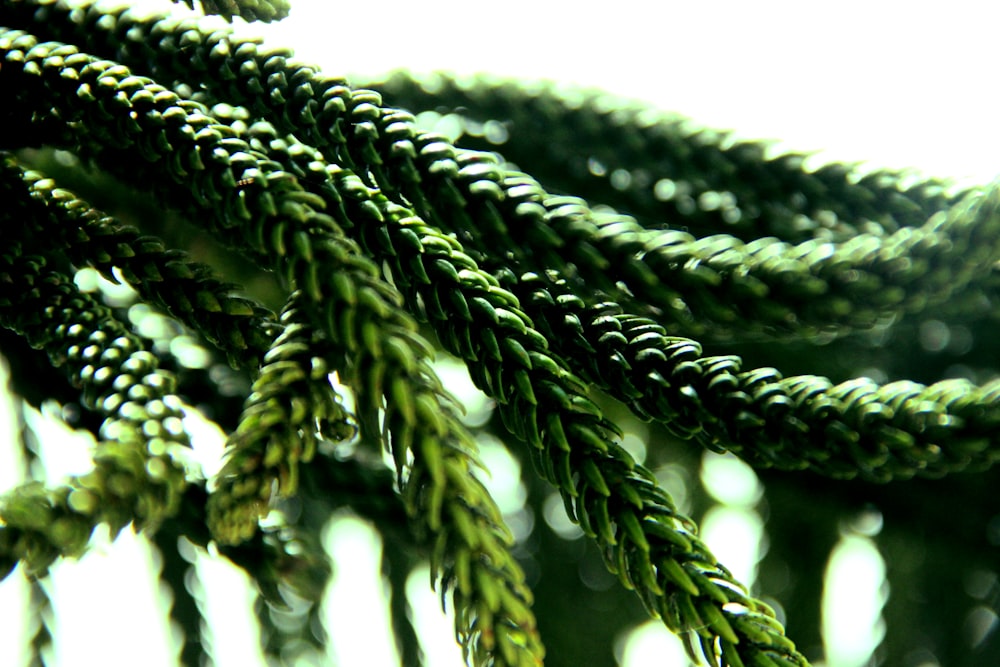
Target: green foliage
382 236
249 10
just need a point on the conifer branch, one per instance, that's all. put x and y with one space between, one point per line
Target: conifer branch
719 282
650 546
876 432
617 133
372 224
187 290
762 285
292 406
722 406
276 220
141 463
249 10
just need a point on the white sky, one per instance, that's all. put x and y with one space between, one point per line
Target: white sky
906 83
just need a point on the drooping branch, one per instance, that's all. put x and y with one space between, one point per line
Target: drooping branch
142 462
373 224
249 10
275 220
292 407
166 278
565 230
669 167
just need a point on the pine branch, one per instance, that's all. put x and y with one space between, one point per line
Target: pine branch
292 406
763 284
876 432
249 10
185 289
577 125
374 223
141 464
275 219
649 545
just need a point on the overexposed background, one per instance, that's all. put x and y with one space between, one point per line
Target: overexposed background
909 84
900 84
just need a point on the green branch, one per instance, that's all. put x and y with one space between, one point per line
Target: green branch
876 432
761 285
249 10
254 205
293 406
141 464
187 290
709 177
372 225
